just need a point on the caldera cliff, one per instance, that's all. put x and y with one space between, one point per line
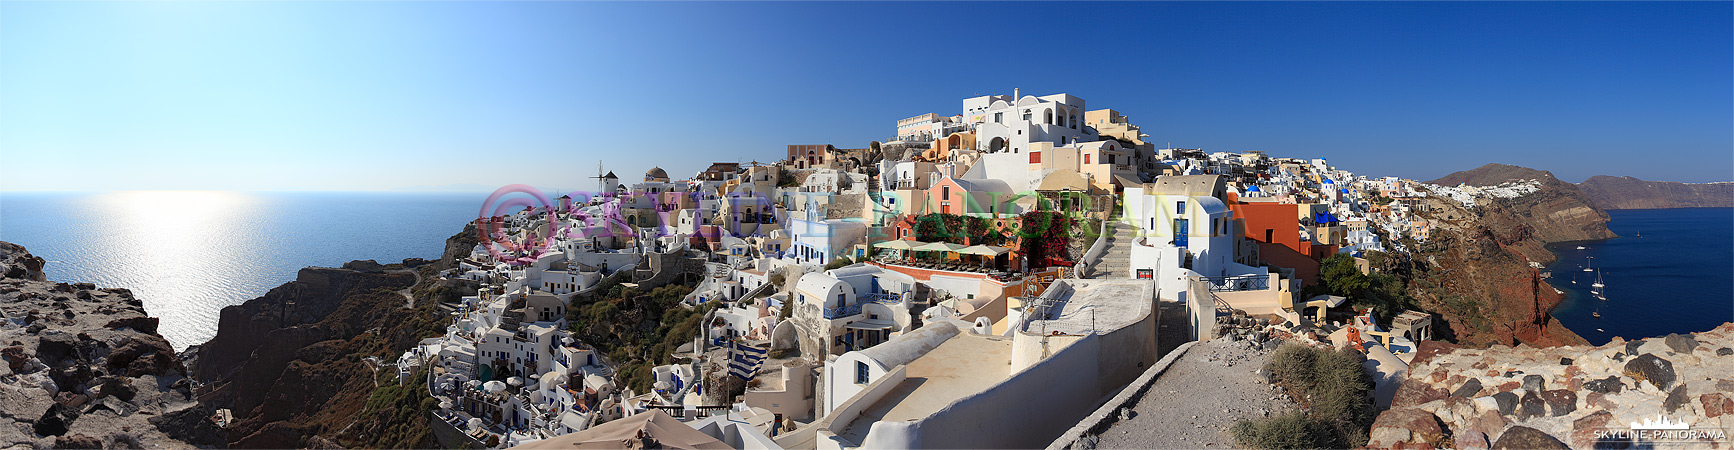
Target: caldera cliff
1481 269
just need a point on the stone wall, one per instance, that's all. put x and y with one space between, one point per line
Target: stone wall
1524 397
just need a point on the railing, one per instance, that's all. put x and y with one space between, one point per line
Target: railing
882 298
1257 282
843 311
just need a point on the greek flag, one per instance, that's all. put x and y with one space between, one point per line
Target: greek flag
744 360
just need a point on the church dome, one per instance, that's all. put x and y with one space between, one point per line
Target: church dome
656 174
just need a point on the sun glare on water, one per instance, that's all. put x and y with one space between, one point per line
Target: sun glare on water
184 246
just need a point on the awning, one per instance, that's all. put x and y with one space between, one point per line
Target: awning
897 244
984 250
871 324
939 247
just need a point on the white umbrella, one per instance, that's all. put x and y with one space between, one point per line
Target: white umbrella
475 424
515 381
445 404
897 244
494 387
663 386
984 250
939 247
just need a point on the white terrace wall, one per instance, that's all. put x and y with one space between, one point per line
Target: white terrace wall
1033 406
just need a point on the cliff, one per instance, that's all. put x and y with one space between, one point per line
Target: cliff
1631 193
293 365
1476 271
1493 174
1525 397
85 368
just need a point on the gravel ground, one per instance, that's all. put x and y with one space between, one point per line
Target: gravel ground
1197 399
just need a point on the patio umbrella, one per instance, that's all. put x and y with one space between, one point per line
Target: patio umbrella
939 247
984 250
897 244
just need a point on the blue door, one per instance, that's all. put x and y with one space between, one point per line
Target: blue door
1181 230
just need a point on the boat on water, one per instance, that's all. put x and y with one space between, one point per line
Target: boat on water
1597 314
1598 330
1580 247
1586 265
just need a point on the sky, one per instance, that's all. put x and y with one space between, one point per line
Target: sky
275 96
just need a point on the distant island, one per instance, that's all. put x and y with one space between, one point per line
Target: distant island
1608 192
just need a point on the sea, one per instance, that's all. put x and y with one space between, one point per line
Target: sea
1670 271
187 254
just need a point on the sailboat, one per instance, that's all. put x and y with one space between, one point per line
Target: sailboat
1596 288
1597 314
1586 265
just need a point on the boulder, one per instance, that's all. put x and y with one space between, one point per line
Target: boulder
1676 399
15 357
1531 406
1526 438
147 325
1565 361
1716 404
55 421
1405 425
1611 384
1724 351
1559 401
1507 403
1534 383
113 386
1472 440
55 346
1649 367
1469 389
1680 343
1632 347
1585 430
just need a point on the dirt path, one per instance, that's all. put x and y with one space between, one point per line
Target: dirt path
1193 404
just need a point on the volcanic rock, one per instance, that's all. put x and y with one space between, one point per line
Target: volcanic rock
1526 438
1649 367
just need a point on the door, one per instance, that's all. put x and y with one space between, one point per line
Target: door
1181 230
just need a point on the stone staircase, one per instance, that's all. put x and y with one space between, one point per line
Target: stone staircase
1117 259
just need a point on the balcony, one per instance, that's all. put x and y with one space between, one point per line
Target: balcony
882 298
843 311
1258 282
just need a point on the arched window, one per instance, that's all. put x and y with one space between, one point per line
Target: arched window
1048 116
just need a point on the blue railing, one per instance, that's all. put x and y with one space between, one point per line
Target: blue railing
882 298
843 311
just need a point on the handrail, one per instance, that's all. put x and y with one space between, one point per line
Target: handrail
1257 282
1094 255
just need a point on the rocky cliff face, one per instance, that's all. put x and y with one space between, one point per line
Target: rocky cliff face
292 367
1632 193
1476 271
85 368
1560 397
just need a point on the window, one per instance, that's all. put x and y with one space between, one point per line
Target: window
1086 158
1035 157
1269 235
860 372
840 301
1180 208
1048 117
945 191
998 117
1026 115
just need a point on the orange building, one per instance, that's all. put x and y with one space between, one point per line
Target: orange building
1276 227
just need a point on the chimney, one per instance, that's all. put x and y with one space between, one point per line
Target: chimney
1015 96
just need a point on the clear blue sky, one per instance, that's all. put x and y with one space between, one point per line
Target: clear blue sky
383 95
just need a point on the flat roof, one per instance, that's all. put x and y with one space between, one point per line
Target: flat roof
1097 306
962 366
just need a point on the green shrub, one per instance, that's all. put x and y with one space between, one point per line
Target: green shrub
1332 385
838 263
1291 430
